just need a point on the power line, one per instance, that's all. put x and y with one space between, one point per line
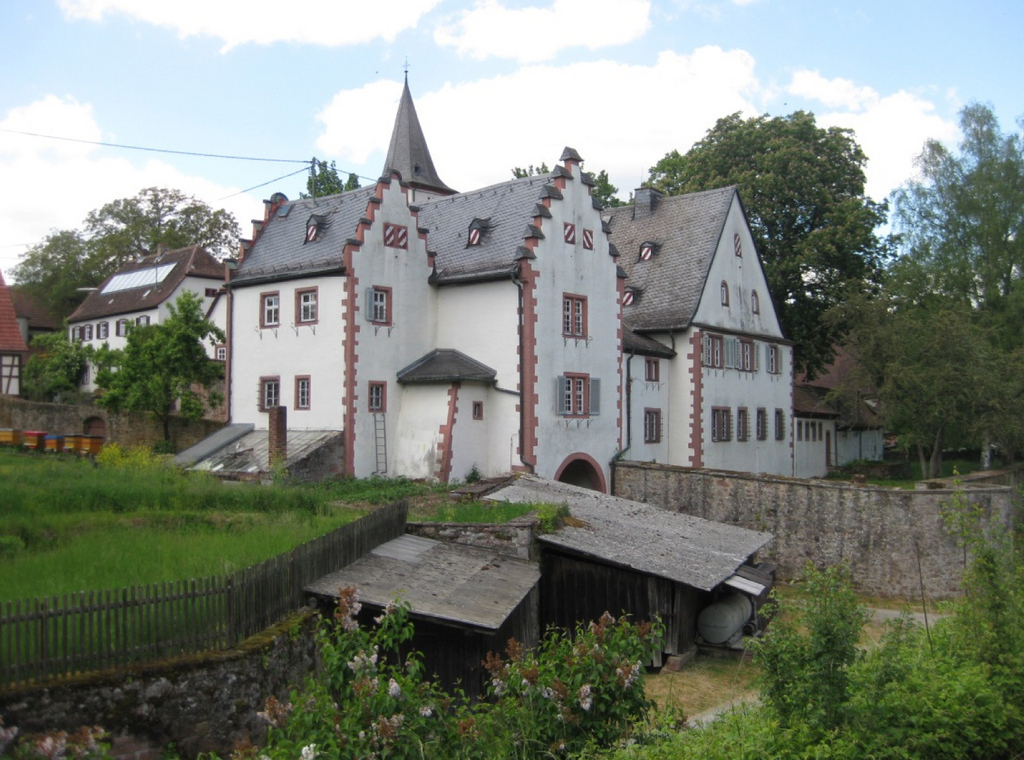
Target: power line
156 150
263 184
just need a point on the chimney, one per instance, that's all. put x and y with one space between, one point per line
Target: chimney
161 250
278 435
645 201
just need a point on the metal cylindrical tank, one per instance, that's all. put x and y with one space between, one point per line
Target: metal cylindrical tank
720 620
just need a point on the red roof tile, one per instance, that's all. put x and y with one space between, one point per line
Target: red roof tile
10 334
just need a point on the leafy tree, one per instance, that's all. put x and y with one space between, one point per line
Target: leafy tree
57 270
119 230
324 180
962 223
603 189
803 191
54 369
519 173
67 262
807 657
164 365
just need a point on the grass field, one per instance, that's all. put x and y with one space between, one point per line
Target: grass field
70 525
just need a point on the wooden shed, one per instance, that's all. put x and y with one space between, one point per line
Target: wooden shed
464 601
625 557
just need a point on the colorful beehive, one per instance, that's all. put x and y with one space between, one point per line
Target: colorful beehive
9 437
91 444
73 443
53 443
34 440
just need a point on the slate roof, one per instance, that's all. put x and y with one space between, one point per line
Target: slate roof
193 261
11 341
281 250
672 545
458 584
508 209
408 153
641 344
446 365
687 229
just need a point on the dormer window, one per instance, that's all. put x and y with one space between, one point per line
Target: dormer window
478 230
647 250
631 297
315 226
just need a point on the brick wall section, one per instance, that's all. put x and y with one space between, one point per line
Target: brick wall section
879 531
123 428
201 704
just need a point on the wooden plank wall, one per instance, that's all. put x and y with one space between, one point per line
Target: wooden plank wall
50 637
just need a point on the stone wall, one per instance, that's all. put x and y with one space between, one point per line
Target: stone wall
881 532
201 704
124 428
514 538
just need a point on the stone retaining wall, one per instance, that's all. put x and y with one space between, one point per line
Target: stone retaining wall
514 538
201 704
881 532
124 428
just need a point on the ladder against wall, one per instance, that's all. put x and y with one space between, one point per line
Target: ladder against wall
380 437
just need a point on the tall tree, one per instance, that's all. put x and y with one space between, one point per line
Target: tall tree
59 269
119 230
164 366
962 223
324 180
803 190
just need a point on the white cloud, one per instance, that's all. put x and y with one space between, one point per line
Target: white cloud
891 129
621 118
51 184
534 34
237 22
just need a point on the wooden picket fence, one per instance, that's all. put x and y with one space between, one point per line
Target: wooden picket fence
43 639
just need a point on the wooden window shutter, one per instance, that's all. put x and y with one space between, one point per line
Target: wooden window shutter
561 388
595 396
706 358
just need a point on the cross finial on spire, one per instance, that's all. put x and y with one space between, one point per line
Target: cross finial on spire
407 69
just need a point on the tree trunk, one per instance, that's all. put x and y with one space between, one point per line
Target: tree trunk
986 452
922 462
935 465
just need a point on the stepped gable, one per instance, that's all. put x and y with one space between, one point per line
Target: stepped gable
686 229
192 261
281 250
507 210
408 153
11 341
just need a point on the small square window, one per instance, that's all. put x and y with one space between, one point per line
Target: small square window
478 410
306 306
652 426
378 397
142 321
303 392
378 305
211 292
270 310
270 393
652 370
220 353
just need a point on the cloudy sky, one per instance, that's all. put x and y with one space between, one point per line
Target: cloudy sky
497 84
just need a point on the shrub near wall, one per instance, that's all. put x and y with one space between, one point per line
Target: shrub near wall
881 532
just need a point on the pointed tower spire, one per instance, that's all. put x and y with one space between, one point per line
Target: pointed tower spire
408 153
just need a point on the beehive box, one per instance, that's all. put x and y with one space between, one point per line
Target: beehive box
9 437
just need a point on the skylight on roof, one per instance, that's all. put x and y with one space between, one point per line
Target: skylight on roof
140 278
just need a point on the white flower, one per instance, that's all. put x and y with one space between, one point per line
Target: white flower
426 711
394 690
586 700
309 752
